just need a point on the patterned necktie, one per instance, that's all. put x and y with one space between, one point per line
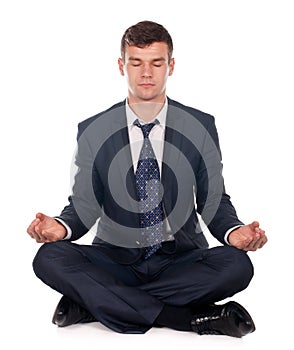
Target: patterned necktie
149 193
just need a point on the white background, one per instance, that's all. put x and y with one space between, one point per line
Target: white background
234 59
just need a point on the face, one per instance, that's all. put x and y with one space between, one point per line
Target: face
146 70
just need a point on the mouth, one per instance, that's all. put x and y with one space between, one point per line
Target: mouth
146 85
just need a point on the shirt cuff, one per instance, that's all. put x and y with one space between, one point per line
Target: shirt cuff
68 229
229 231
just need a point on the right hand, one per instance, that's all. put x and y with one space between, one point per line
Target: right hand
248 237
46 229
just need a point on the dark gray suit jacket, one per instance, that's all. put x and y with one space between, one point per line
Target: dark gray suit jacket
104 196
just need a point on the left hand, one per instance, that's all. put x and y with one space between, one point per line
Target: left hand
46 229
249 237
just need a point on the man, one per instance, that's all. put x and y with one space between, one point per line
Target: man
144 167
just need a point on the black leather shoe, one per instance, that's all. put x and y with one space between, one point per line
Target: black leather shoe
228 319
68 312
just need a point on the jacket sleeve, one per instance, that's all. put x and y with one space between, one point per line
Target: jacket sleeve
84 208
213 203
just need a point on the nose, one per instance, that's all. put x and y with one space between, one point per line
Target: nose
146 71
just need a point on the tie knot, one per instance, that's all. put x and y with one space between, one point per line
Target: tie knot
146 128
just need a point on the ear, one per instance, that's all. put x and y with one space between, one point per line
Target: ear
171 66
121 66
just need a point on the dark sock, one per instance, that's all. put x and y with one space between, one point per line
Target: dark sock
176 317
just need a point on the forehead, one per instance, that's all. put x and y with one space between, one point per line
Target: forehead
153 51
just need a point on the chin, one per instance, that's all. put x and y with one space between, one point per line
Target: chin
147 97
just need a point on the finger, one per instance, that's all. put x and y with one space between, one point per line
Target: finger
254 225
257 237
259 231
31 228
35 222
38 229
251 245
37 238
41 216
263 241
262 232
244 244
43 234
257 244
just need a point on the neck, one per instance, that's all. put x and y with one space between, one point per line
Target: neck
146 111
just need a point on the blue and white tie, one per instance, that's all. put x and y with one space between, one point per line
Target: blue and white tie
149 193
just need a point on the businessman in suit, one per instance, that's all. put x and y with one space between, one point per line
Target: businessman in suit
145 169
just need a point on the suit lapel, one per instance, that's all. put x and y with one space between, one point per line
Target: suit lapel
122 145
173 141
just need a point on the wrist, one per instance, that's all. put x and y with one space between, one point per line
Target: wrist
227 235
66 231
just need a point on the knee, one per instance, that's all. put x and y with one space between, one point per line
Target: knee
47 255
241 268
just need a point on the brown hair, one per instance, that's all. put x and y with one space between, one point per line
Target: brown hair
144 34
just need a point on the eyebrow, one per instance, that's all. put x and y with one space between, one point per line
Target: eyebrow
131 58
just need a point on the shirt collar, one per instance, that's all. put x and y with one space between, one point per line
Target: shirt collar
161 116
